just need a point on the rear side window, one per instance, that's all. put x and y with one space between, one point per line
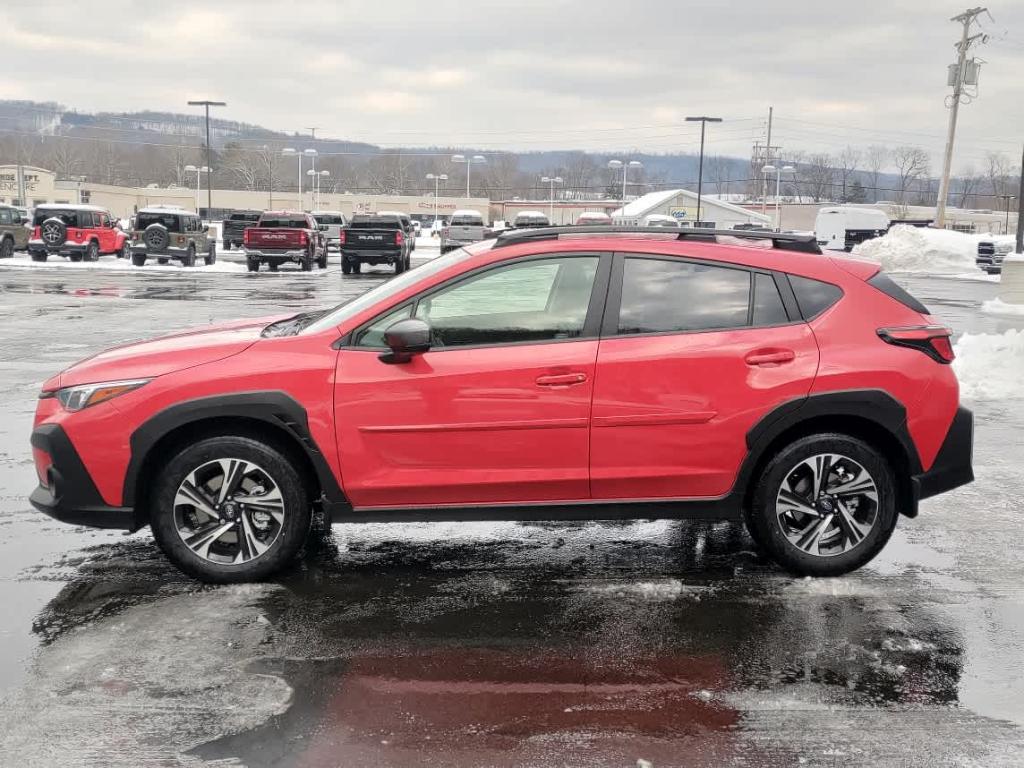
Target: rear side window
768 306
283 223
663 296
888 286
814 296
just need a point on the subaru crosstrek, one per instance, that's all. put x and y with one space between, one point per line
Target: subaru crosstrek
550 374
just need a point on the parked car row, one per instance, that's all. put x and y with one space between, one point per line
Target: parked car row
992 251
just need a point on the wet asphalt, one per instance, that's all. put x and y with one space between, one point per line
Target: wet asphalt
499 644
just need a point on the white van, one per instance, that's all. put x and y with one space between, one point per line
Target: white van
841 227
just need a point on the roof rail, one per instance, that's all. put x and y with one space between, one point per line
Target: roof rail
781 240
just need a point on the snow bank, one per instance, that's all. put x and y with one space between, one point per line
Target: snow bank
990 366
1000 307
927 251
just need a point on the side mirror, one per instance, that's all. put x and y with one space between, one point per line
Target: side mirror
406 338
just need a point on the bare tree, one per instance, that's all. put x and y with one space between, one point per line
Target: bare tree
719 173
966 185
579 173
818 175
875 159
998 172
911 164
846 165
64 159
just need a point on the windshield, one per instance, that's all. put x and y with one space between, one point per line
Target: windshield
244 217
334 317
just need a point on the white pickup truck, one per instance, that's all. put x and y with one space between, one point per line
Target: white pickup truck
464 228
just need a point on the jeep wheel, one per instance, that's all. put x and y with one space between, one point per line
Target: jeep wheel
189 259
37 256
139 260
126 250
824 505
76 257
211 255
162 260
7 248
92 251
230 509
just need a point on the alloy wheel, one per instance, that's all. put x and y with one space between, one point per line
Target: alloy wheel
827 505
229 511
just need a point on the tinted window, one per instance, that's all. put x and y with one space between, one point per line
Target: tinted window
285 222
537 300
659 296
322 219
375 222
70 218
886 285
768 306
169 220
467 221
814 296
244 217
6 216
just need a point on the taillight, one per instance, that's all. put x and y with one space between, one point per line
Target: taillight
37 232
303 238
399 237
181 239
341 237
245 237
933 340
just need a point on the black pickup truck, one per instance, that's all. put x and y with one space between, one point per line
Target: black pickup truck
234 225
375 239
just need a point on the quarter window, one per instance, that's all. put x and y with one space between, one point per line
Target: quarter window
768 306
814 296
537 300
661 296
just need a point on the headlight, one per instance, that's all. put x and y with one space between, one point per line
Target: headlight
84 395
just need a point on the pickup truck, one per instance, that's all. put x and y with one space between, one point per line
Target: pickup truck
282 237
234 226
464 228
374 239
992 249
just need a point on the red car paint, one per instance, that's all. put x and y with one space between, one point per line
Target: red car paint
643 417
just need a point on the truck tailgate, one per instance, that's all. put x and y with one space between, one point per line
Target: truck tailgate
371 239
260 237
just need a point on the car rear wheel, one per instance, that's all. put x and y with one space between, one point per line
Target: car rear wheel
230 509
400 265
211 255
92 251
162 260
824 505
76 257
227 245
189 259
6 248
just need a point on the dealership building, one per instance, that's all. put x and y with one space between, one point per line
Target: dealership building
31 186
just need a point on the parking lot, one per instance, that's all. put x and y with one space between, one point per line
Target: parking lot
498 644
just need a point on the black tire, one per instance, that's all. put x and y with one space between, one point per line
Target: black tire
211 255
36 256
766 527
253 265
272 266
156 237
7 248
400 265
357 267
162 260
322 261
307 263
189 259
139 260
287 538
126 250
227 245
76 257
346 268
92 251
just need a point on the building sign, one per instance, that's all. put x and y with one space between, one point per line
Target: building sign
9 181
429 206
677 212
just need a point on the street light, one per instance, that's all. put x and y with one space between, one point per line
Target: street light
437 179
209 162
203 169
314 182
552 180
290 152
311 154
778 180
470 162
615 165
700 166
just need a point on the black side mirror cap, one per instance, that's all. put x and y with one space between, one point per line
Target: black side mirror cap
405 339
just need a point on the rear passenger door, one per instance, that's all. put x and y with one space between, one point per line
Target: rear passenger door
691 355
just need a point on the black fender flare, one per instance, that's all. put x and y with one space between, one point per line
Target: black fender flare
272 407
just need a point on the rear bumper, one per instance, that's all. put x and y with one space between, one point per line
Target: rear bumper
277 257
64 249
170 252
70 495
952 466
371 257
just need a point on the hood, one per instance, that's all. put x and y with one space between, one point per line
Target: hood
167 354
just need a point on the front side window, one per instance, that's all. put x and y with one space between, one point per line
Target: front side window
5 216
660 296
537 300
373 334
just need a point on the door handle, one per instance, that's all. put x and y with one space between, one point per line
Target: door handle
560 379
770 357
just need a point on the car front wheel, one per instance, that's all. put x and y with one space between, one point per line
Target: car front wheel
230 509
824 505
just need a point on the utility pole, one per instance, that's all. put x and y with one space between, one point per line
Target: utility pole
312 132
959 77
768 161
703 120
1006 204
1020 209
209 161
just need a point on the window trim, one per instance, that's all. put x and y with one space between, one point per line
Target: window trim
591 324
613 305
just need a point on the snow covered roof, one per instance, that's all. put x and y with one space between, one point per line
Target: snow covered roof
647 203
70 207
533 213
467 212
165 209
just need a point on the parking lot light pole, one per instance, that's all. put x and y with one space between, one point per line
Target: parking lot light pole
470 162
551 180
437 178
625 166
209 161
700 165
198 171
778 181
290 152
314 183
311 154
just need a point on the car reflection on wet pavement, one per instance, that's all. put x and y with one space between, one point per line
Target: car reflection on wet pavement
492 644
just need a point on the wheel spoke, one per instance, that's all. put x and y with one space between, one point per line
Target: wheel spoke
234 471
201 540
811 535
248 545
820 467
790 501
851 528
861 483
190 494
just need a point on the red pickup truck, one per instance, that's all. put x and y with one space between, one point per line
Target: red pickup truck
281 237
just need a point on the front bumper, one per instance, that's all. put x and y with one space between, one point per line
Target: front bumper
952 466
70 494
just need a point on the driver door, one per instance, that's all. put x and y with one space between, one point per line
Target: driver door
497 411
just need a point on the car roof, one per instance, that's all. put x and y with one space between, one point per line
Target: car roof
327 213
161 209
283 213
71 207
467 212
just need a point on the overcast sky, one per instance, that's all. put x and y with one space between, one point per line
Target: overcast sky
533 74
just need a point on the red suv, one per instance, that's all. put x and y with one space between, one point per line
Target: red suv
78 232
559 373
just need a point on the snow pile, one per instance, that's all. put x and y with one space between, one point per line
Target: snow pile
990 365
1000 307
927 251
